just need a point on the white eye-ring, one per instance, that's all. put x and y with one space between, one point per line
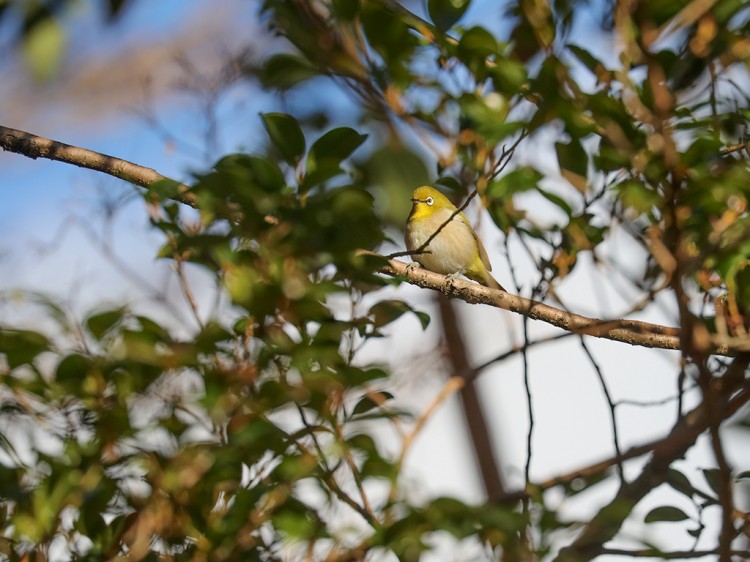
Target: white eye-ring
429 200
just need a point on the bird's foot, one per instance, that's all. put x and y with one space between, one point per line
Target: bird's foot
450 280
412 266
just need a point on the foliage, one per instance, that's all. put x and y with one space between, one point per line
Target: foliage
250 438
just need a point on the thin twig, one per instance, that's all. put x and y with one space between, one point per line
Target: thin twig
451 386
674 555
610 403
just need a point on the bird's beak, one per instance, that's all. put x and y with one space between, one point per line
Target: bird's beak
415 200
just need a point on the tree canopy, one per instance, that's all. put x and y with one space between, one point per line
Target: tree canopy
258 435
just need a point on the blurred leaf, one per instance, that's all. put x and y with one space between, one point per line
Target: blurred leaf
679 482
43 48
446 13
637 196
475 47
713 478
286 135
666 513
101 323
22 346
573 162
115 7
371 401
385 312
327 153
520 180
286 70
346 9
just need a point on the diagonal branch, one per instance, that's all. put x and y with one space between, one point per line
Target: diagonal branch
633 332
33 146
605 524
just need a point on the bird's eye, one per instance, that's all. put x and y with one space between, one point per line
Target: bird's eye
429 200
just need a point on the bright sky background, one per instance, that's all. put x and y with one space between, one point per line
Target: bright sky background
40 250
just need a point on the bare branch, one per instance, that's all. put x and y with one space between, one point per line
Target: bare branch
33 146
605 524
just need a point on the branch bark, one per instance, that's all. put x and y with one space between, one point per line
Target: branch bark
472 407
33 146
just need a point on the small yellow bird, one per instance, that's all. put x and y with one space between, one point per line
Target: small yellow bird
456 249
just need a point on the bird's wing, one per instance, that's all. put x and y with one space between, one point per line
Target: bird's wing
482 252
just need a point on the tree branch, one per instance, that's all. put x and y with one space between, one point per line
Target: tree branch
633 332
605 524
33 146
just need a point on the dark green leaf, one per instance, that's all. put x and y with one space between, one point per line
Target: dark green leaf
679 482
285 70
386 312
346 9
327 153
22 346
591 62
446 13
666 513
371 401
713 478
286 135
99 324
573 162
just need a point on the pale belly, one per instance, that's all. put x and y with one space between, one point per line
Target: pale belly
452 250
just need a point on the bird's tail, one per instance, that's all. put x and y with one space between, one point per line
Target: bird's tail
489 281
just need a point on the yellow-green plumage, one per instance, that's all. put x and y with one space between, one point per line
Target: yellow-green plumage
456 249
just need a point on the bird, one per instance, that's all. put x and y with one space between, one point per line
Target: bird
456 249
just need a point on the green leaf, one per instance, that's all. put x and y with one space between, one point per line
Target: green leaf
679 482
22 346
474 48
327 153
386 312
713 478
446 13
43 48
163 189
573 162
637 196
286 135
521 179
508 75
73 367
666 513
346 9
99 324
285 70
371 401
743 475
591 62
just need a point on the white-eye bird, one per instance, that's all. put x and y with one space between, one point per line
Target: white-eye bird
456 249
